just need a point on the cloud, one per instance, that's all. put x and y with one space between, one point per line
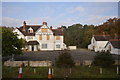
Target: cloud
76 9
11 22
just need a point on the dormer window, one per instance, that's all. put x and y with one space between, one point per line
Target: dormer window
30 30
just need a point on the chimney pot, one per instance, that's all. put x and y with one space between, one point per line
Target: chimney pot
45 23
51 27
24 26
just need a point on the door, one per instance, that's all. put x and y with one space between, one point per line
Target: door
32 47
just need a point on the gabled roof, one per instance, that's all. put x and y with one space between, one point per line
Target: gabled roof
102 37
115 43
57 32
26 33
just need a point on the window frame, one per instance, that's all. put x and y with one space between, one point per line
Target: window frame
58 45
44 46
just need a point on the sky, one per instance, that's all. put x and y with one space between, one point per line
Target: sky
57 14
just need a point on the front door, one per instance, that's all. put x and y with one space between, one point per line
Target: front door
32 47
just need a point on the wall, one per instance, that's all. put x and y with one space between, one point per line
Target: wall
15 63
72 47
28 63
100 45
40 63
20 35
113 50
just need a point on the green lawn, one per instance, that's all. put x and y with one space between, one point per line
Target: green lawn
76 72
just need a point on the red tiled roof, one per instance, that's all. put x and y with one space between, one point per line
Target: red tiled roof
57 32
115 43
102 37
26 33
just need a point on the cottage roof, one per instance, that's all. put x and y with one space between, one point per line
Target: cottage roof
102 37
26 33
32 43
57 32
115 43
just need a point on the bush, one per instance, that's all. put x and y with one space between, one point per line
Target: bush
103 59
65 60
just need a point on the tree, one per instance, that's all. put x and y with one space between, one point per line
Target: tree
65 60
103 59
10 43
88 33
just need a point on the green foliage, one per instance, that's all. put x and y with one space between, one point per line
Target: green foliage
65 60
111 26
103 59
78 35
76 72
10 43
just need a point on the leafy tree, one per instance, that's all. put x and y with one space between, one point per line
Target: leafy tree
65 60
88 33
80 36
10 43
103 59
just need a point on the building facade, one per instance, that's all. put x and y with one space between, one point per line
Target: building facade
98 42
41 37
113 46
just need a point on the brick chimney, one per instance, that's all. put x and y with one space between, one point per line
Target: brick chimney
24 26
45 23
50 27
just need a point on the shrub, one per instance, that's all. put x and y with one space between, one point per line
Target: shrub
65 60
103 59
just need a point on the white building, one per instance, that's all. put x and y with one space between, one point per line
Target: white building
41 37
98 42
113 46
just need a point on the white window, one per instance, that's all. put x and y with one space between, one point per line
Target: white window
29 37
58 46
44 45
30 31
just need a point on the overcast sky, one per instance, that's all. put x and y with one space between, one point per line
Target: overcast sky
57 13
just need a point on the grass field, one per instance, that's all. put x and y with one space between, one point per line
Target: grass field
76 72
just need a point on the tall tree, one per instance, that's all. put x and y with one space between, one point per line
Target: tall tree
10 43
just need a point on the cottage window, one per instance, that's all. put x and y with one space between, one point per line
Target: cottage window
40 37
58 46
30 31
48 37
29 37
44 45
57 37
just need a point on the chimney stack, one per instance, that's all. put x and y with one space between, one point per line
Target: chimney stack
50 27
24 26
45 23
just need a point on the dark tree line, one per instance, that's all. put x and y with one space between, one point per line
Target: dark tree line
80 35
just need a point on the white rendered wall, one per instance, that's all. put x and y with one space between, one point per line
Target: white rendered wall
20 35
30 48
